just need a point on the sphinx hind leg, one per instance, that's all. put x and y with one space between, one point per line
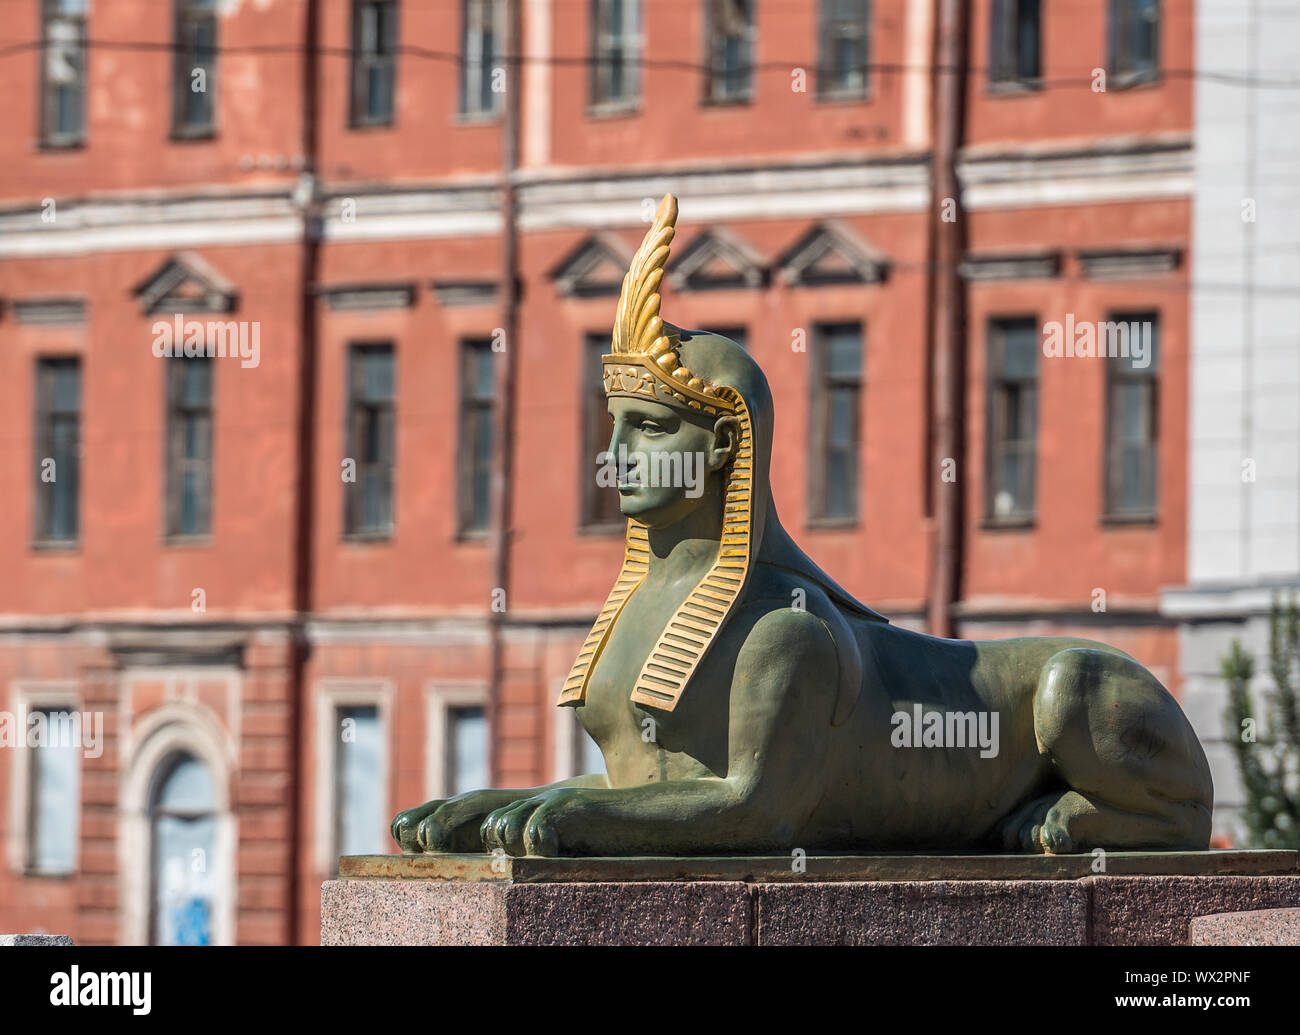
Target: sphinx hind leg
1135 775
1074 822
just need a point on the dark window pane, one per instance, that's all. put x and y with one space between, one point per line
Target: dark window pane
616 26
844 46
374 61
482 29
731 35
368 501
1015 41
1132 427
58 447
1013 417
467 750
63 71
835 423
845 351
476 418
189 445
1134 39
196 44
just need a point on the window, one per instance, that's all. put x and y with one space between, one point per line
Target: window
1131 414
590 759
484 32
835 437
175 829
58 449
730 57
374 62
616 50
1134 41
1013 346
194 73
183 818
189 446
1015 42
54 792
63 72
358 781
368 503
844 48
599 502
467 750
476 414
456 738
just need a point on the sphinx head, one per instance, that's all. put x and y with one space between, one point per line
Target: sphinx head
671 461
682 404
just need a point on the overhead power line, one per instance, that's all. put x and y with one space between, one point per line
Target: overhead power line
1247 81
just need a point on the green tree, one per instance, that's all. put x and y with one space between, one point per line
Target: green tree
1268 754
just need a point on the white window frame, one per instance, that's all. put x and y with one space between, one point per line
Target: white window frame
440 696
178 726
27 696
565 729
330 695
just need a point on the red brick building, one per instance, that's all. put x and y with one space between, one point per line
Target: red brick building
269 573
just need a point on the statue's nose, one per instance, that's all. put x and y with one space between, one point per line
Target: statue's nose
617 437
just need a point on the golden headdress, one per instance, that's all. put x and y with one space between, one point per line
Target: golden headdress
645 360
646 363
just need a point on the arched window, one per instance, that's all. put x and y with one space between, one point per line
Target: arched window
183 828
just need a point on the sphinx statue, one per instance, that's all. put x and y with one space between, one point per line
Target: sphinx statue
746 703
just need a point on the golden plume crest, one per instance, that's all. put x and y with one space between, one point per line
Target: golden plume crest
644 359
637 324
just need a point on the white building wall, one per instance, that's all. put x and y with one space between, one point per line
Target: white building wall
1244 426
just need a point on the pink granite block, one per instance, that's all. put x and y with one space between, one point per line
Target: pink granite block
1158 910
422 912
408 912
975 912
1252 927
641 913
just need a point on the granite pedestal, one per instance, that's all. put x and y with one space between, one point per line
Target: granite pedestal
1141 898
1253 927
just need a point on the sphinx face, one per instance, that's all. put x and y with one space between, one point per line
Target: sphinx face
666 459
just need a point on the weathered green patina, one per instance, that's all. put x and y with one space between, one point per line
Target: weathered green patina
745 703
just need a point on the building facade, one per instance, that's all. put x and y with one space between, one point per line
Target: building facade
251 278
1243 548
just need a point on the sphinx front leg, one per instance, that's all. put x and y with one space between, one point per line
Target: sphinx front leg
675 817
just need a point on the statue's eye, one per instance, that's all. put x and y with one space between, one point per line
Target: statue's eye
649 427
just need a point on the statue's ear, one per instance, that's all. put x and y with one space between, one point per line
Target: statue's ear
726 440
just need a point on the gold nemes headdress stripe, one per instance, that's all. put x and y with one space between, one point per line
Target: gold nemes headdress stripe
645 362
636 558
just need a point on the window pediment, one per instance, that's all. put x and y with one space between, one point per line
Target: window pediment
831 253
186 283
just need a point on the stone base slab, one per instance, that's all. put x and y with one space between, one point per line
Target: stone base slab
35 939
478 900
417 912
764 869
1254 927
